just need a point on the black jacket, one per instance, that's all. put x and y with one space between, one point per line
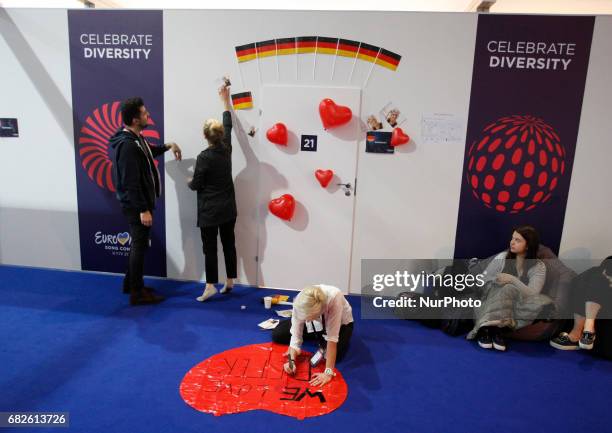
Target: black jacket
135 175
212 179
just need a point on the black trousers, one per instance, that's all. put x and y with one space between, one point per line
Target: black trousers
591 286
209 247
282 335
140 236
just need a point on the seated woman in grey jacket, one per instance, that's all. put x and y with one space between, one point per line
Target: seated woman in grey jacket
512 276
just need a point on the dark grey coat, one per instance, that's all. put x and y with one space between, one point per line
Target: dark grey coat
212 179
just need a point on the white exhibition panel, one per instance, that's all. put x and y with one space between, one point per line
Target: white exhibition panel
315 245
407 203
587 230
389 223
192 38
198 51
38 200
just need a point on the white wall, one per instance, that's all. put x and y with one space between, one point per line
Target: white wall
423 222
38 205
198 50
587 231
407 203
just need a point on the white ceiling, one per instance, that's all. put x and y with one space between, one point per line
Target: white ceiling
500 6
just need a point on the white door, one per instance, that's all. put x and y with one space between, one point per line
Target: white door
315 246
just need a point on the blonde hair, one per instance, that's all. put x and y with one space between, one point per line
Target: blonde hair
213 131
310 300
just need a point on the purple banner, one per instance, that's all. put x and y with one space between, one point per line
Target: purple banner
527 89
114 55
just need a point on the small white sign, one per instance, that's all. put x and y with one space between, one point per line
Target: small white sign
285 313
442 128
269 324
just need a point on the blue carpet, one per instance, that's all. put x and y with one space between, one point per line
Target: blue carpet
71 343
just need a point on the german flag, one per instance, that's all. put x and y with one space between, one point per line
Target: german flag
367 52
285 46
327 45
348 48
306 44
245 53
388 59
266 48
242 101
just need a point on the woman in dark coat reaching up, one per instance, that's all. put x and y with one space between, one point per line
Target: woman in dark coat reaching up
212 179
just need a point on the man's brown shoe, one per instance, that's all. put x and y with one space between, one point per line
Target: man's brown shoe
145 298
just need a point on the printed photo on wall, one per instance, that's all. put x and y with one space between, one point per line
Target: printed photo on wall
379 142
392 115
373 123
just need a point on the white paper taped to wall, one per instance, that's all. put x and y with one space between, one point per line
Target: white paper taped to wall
442 128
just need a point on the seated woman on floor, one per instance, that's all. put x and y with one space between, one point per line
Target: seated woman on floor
591 294
322 313
511 297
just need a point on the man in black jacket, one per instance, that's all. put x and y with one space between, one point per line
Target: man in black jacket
138 185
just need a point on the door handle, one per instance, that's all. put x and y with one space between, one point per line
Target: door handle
347 188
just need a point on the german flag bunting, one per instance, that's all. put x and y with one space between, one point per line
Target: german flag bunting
266 48
318 45
388 59
327 45
368 52
348 48
306 44
285 46
246 52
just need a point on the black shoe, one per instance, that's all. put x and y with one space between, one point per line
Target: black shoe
145 298
127 290
587 340
563 342
484 339
498 342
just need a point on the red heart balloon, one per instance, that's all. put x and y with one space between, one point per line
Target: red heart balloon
399 137
283 207
324 177
333 115
278 134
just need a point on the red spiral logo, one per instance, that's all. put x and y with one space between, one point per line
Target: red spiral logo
97 130
516 164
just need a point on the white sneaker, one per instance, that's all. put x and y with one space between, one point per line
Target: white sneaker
209 292
225 289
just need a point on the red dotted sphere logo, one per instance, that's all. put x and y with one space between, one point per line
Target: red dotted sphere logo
97 129
516 164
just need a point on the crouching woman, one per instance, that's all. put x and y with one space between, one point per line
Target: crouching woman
320 313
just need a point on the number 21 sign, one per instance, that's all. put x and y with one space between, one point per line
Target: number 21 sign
309 143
